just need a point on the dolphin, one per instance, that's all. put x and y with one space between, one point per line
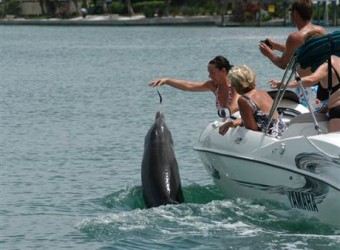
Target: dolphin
161 181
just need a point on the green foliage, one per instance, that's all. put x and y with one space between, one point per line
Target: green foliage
117 8
188 11
12 7
149 8
202 3
193 11
266 18
245 12
195 7
84 4
95 8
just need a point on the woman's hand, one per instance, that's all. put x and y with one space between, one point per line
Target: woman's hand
158 82
223 129
275 84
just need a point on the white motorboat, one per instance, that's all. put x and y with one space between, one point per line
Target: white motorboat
300 170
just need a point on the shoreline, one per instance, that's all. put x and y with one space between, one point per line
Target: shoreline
138 20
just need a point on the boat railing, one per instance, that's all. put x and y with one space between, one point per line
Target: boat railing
281 90
312 53
298 79
290 72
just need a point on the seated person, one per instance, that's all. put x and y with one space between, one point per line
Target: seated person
254 104
321 73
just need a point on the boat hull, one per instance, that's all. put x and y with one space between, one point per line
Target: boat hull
294 171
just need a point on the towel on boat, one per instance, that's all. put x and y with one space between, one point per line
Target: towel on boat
317 50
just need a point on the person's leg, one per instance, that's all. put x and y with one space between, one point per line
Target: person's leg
334 119
334 125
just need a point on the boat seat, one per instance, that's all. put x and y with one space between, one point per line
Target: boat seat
304 125
307 118
289 95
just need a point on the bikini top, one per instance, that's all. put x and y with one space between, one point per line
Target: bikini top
229 99
336 87
324 93
276 127
261 118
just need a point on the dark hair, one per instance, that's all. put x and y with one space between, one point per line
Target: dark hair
304 8
221 62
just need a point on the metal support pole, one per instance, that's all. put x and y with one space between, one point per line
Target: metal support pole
334 13
285 13
298 79
259 16
325 17
318 10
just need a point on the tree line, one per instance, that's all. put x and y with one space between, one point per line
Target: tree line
150 8
236 10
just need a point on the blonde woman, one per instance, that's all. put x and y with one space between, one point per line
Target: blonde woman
254 104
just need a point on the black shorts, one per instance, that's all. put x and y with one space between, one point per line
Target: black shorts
334 112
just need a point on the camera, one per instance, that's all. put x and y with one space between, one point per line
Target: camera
267 43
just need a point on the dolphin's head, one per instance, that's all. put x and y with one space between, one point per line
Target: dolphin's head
160 121
159 114
159 131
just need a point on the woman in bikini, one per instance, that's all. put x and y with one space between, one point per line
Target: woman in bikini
321 75
254 105
218 68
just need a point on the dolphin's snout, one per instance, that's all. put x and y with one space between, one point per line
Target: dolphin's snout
159 114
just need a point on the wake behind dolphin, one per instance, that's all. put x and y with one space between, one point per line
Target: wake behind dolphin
161 181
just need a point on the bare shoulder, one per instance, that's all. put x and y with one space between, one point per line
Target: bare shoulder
336 63
295 39
336 59
262 96
242 102
209 85
245 107
319 28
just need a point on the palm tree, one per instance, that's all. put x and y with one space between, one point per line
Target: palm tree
129 7
167 7
75 2
42 7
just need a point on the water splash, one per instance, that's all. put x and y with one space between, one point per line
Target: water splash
205 219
